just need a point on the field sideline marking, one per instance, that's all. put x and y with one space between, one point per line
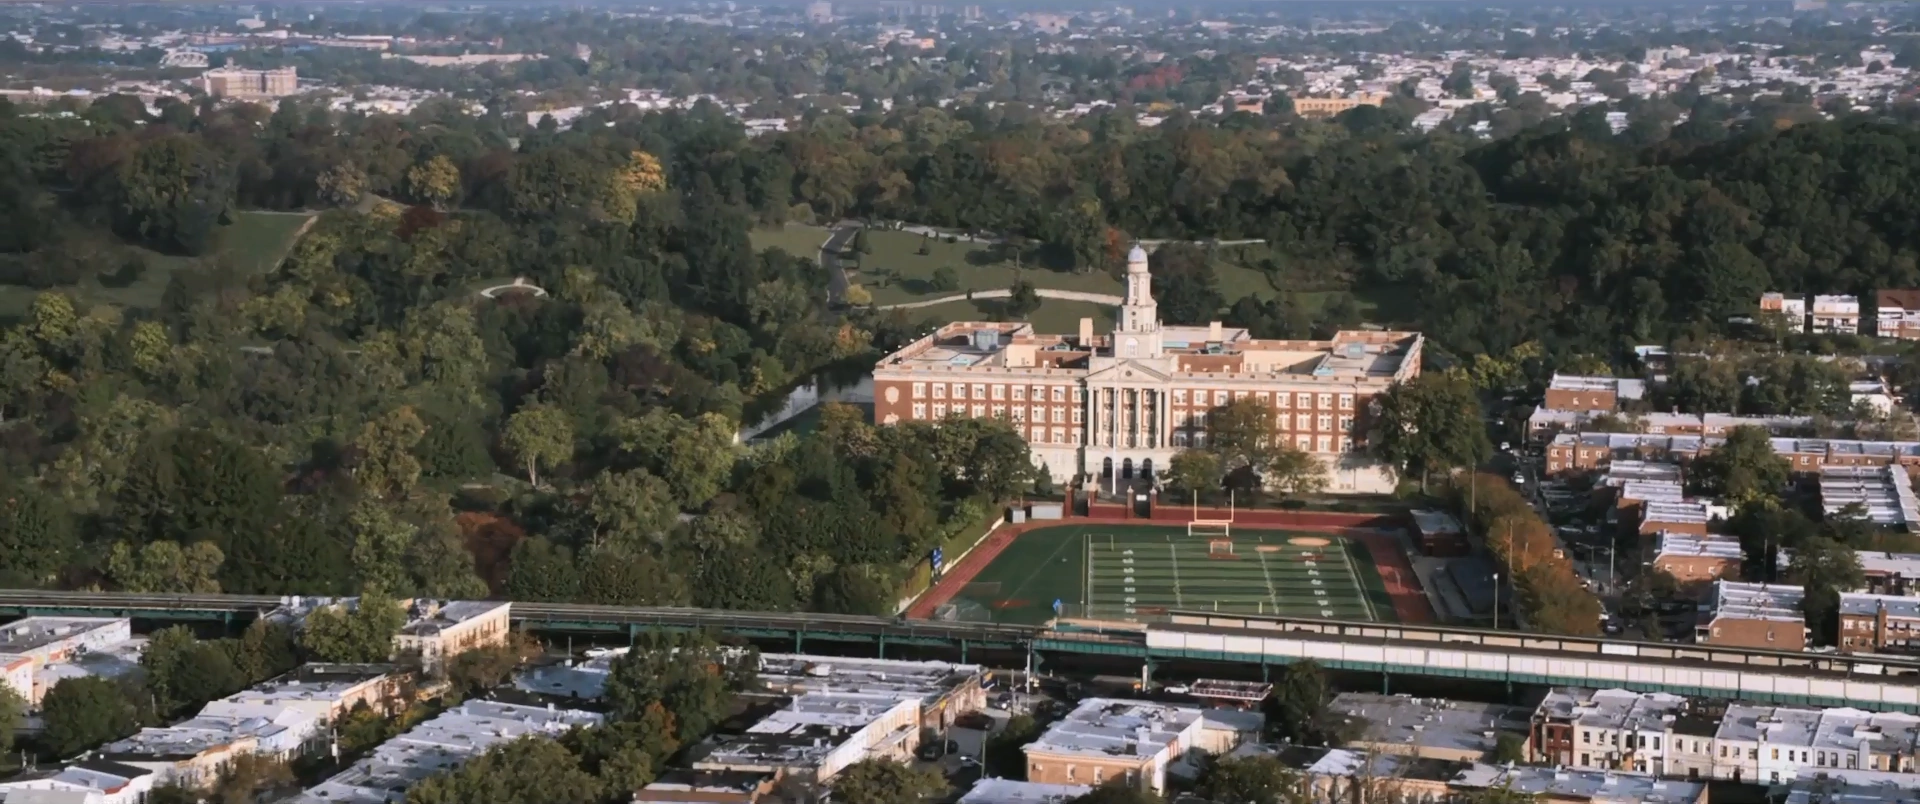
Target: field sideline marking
1273 595
1353 574
1173 550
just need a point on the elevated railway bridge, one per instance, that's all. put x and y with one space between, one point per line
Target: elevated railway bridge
1881 683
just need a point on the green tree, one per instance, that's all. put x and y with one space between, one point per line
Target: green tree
1509 749
165 567
1430 424
361 634
1824 568
386 465
182 671
522 771
632 509
856 589
84 712
1193 470
380 539
699 458
1023 300
539 434
542 571
172 194
1252 780
13 712
435 181
1295 471
678 672
36 533
945 280
1744 468
884 781
1298 710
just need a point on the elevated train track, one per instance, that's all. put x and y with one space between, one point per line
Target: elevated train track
1869 682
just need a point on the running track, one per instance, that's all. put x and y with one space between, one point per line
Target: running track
1409 602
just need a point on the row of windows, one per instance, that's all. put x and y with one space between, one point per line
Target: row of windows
1280 400
1057 435
1304 442
1019 414
999 391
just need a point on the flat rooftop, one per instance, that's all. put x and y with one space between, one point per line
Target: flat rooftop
1884 493
1690 512
1623 388
1109 727
1350 355
1866 605
427 618
438 745
795 674
1622 472
1874 562
1008 791
1595 786
807 729
1687 545
313 682
1430 520
33 633
205 732
1615 709
1430 723
1757 601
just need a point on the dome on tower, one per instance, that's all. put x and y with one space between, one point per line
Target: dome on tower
1138 256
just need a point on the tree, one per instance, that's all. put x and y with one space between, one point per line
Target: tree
1824 568
182 671
36 533
1022 300
1509 749
342 185
83 712
631 509
1252 780
477 670
386 466
945 280
248 775
542 571
1432 423
855 589
172 194
13 712
678 672
529 770
1744 468
165 567
1193 470
857 296
1295 471
539 434
884 781
435 181
699 458
360 635
1298 712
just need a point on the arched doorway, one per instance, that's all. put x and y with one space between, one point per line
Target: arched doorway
1146 469
1126 469
1106 468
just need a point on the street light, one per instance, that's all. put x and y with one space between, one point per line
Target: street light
1496 601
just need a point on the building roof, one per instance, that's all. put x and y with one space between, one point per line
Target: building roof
430 617
1431 723
1663 491
225 726
437 745
797 673
1861 604
1849 786
313 683
1434 522
806 730
1687 545
1679 512
1875 562
1885 493
1008 791
1594 786
33 633
1652 473
701 787
1615 709
1107 727
1346 763
1622 388
1757 601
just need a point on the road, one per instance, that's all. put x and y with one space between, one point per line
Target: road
1001 293
830 259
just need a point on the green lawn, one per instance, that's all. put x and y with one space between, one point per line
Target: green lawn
1118 571
897 272
1055 316
796 239
255 242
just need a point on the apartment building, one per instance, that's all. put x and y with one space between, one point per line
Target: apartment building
439 745
708 787
1328 107
1689 517
93 781
194 752
1104 740
1612 730
1437 728
818 734
1119 406
38 652
1009 791
1696 561
1582 393
1791 311
1883 493
1565 786
437 631
1578 453
1774 745
1872 623
1624 472
240 84
1753 615
1890 573
1897 314
1835 315
945 690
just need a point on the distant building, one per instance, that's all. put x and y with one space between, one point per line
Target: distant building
38 652
1008 791
1109 741
1329 107
1681 517
1897 314
1695 561
92 781
1609 730
1883 494
233 82
1789 310
1753 615
819 734
1440 533
1574 392
820 13
1461 731
945 690
1879 623
437 631
1836 315
1555 786
707 787
437 746
1889 573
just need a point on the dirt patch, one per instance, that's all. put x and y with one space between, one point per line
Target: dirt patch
1267 548
1309 541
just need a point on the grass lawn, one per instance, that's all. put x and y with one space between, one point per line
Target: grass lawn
1132 570
796 239
255 242
1055 316
897 272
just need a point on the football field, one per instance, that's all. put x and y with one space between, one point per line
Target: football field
1121 571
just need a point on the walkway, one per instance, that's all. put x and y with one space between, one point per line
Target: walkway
1044 293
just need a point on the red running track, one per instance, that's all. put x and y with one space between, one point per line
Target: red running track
1403 586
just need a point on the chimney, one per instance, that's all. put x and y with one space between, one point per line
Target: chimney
1213 332
1086 333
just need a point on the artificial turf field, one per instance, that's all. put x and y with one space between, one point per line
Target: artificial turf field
1125 570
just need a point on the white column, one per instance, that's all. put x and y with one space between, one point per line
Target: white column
1093 416
1166 419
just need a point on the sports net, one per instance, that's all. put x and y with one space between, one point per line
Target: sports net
1219 547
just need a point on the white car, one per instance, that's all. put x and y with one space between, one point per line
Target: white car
1506 447
1519 478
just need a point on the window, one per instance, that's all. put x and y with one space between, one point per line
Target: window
1303 441
999 392
1302 421
1059 393
1019 393
919 410
1323 422
1238 395
1078 414
1070 770
979 390
939 390
1039 413
1324 402
1097 773
1346 401
1324 443
1346 444
1346 424
1179 439
1303 400
979 410
1853 762
1059 415
919 390
959 390
1179 396
1075 435
1079 396
1019 414
1219 397
939 410
1133 347
1656 742
999 411
1583 760
1059 435
1283 400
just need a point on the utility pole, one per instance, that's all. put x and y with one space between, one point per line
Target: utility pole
1496 601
